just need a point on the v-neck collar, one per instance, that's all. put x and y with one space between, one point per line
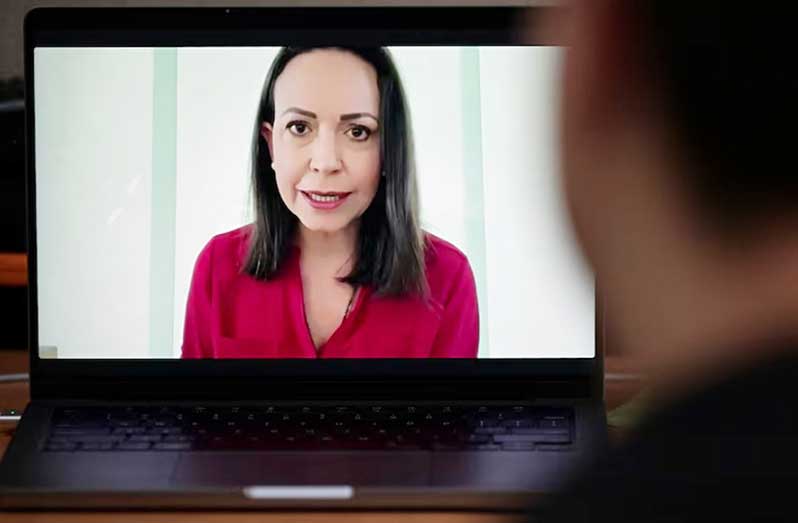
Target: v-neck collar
309 349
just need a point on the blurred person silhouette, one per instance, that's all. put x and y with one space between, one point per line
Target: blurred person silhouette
679 174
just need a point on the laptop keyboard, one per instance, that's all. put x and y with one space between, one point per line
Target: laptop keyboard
343 427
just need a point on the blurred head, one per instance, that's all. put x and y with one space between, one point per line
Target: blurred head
332 150
678 169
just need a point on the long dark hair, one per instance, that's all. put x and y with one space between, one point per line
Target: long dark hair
390 243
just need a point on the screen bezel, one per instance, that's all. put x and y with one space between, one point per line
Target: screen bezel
268 379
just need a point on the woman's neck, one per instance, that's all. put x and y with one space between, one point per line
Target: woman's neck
337 248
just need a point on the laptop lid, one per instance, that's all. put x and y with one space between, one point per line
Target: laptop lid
143 128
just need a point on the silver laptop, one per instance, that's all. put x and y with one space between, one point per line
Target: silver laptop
299 257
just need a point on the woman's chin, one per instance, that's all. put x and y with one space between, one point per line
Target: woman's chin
328 226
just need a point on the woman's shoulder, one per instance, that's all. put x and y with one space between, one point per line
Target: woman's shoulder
227 248
447 267
442 254
233 239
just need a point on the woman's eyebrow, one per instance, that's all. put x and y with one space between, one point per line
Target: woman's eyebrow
355 116
300 111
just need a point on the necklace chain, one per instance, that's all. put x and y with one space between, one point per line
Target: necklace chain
351 301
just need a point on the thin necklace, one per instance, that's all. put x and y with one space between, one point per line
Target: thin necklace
351 301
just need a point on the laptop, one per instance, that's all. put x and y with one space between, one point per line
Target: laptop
192 176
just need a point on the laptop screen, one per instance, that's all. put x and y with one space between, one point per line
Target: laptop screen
273 202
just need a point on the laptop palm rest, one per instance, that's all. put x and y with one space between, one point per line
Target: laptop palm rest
303 468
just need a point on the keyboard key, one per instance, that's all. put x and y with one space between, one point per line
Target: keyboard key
80 431
490 430
541 432
164 430
518 445
96 439
177 438
553 447
487 447
517 423
541 438
137 438
97 446
134 446
61 447
172 446
554 423
128 431
476 439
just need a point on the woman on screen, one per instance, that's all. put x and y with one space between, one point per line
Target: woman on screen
335 265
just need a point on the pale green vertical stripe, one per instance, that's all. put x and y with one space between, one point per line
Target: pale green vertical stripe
162 218
472 170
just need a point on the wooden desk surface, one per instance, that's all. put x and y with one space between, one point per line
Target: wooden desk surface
13 269
622 385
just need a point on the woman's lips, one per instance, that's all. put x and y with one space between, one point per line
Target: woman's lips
325 200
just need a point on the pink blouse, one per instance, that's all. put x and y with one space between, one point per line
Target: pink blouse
232 315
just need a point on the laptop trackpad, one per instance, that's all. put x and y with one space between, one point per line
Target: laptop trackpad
303 468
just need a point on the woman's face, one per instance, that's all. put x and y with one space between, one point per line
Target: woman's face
325 138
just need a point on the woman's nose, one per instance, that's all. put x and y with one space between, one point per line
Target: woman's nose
325 158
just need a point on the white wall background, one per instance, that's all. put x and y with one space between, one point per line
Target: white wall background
540 296
94 171
539 299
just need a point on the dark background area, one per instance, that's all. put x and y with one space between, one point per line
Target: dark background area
13 299
12 166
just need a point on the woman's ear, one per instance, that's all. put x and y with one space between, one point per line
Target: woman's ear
266 132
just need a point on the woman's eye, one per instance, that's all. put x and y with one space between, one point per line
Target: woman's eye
359 133
298 128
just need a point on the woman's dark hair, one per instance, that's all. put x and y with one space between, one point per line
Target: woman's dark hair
390 244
